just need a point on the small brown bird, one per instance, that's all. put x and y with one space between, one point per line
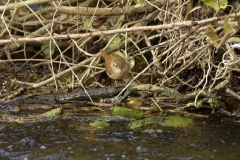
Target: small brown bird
116 66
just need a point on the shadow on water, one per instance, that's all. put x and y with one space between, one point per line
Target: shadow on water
74 139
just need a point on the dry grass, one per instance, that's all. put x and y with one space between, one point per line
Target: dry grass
166 38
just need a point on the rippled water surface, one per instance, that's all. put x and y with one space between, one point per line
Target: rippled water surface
74 139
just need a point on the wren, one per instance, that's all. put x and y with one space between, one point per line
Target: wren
116 66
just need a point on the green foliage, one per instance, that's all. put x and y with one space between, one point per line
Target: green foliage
53 113
119 22
87 24
121 54
46 49
2 66
223 3
226 28
132 63
177 121
167 121
139 3
145 121
130 113
99 124
133 103
216 6
118 39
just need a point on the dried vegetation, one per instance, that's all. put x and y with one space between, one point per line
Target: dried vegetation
175 43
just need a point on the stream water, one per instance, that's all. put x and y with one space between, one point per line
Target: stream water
214 138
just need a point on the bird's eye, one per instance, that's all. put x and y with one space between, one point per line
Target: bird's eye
115 65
